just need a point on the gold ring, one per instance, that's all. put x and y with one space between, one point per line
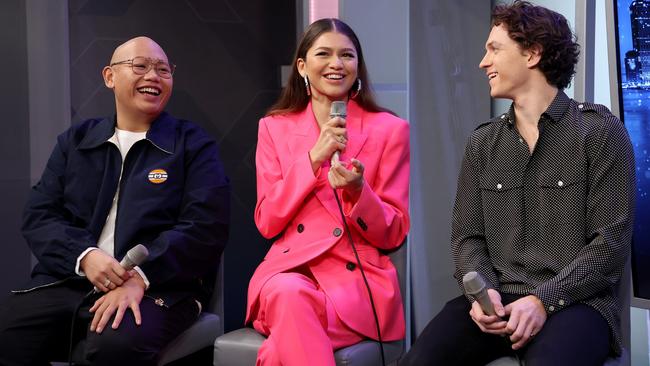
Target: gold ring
107 282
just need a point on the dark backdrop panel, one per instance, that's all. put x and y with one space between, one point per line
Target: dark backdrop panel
14 145
229 55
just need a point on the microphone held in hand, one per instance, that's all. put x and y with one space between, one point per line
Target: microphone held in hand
338 109
474 285
134 257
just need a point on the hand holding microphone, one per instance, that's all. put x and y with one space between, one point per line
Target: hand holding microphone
349 177
106 273
127 296
487 310
333 137
475 286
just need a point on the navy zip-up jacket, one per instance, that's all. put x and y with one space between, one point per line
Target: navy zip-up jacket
183 220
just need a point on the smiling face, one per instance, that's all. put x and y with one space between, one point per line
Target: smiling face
331 66
138 98
508 67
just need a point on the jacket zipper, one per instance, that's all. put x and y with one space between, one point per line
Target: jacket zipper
39 287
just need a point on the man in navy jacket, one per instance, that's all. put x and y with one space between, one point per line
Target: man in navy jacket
141 177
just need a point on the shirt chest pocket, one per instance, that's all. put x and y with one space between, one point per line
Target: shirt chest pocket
562 196
501 196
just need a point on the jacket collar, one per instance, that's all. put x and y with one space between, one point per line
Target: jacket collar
161 134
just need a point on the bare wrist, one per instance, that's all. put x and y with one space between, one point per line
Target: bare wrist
135 276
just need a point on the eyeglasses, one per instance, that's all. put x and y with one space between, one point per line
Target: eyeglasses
141 65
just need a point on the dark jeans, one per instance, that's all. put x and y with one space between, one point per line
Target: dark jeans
576 335
35 328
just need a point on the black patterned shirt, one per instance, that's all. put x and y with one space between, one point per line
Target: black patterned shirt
555 223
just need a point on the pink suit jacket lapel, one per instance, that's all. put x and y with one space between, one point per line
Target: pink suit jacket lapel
305 135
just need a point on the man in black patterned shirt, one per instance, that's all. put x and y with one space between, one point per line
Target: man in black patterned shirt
543 212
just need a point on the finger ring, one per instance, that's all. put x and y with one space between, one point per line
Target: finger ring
107 282
532 334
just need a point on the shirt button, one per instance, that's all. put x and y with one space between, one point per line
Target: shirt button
337 232
560 183
521 140
499 186
561 302
301 228
350 266
551 308
503 116
581 106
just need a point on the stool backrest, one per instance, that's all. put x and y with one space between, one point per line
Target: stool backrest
398 257
215 305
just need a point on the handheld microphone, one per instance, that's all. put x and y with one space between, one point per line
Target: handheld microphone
134 257
474 285
338 109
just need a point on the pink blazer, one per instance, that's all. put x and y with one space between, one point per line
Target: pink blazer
301 209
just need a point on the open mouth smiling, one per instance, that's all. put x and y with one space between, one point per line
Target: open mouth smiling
334 76
149 90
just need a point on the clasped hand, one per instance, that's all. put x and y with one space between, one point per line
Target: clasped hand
525 318
350 178
102 270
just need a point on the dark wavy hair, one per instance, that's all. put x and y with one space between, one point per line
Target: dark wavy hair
294 96
530 25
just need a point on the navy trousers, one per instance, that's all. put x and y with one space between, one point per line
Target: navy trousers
576 335
35 328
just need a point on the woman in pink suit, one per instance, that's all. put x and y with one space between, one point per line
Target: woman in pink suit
308 296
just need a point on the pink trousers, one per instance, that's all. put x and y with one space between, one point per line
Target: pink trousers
300 322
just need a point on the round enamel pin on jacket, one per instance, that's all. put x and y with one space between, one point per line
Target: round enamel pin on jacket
157 176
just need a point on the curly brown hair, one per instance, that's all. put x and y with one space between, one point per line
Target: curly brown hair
535 26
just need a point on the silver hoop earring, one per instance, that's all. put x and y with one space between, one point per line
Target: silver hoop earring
356 92
307 85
